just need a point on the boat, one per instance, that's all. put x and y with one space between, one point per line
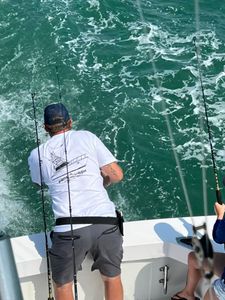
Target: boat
154 265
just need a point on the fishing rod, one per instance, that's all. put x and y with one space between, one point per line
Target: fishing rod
203 247
69 194
50 295
218 192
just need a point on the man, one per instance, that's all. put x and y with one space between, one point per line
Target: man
76 165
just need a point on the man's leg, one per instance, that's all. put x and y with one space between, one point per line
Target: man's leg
63 292
193 277
61 256
113 288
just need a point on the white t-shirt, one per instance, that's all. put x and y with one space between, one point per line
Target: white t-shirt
86 154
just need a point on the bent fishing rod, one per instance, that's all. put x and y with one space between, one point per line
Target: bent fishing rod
69 194
206 246
218 192
50 295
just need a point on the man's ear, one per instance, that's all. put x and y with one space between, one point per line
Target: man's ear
70 123
46 128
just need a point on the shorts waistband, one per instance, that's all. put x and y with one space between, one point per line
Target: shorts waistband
87 220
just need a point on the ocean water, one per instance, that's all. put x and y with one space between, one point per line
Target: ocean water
122 66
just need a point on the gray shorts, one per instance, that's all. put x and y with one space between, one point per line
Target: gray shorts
103 242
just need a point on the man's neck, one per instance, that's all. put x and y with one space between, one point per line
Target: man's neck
59 132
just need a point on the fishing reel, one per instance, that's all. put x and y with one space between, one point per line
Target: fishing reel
204 252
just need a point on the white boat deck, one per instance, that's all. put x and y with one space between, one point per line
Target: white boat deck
148 245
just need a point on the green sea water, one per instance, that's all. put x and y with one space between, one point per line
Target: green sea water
118 61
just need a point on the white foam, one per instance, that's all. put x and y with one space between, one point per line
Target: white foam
10 209
15 116
94 3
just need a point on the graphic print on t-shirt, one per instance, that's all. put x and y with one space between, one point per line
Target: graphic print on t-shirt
73 168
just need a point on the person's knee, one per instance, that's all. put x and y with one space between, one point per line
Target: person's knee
111 279
113 288
192 258
64 286
63 291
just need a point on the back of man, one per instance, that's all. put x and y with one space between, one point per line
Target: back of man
85 156
74 165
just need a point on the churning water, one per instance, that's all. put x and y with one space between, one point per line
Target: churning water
105 51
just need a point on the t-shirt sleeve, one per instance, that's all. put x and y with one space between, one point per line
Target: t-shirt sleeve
104 156
34 167
219 231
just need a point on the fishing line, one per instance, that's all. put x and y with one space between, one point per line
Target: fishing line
69 194
204 104
50 295
165 114
218 192
58 83
201 245
201 125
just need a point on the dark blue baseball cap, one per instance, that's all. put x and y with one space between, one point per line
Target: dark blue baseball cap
56 113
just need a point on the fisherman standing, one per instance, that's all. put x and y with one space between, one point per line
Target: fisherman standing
76 166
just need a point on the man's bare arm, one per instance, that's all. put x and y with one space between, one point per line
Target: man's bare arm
111 173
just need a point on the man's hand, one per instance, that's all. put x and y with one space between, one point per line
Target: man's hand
219 210
106 180
111 173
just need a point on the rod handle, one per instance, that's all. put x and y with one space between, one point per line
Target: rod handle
219 197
